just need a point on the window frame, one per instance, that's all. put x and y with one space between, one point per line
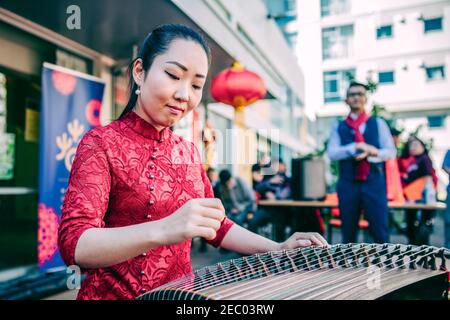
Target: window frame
438 117
390 36
337 37
440 29
435 68
326 12
385 72
342 82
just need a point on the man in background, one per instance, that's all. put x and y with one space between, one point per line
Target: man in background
362 143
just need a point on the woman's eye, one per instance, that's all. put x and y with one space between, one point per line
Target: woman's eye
196 87
172 76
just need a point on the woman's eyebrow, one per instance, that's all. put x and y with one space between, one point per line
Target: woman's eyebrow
184 68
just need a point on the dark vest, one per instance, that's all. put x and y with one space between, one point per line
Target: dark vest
347 168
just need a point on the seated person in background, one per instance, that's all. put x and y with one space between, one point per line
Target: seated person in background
257 176
237 197
415 164
269 188
276 186
214 179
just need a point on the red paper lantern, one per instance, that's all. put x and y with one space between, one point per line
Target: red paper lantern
237 87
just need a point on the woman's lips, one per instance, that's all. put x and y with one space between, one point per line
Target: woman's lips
175 110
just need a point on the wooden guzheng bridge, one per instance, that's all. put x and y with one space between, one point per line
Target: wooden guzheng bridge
345 271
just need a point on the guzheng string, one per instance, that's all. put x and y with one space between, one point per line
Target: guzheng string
299 291
312 263
277 282
359 283
215 277
345 284
347 280
220 277
388 262
325 252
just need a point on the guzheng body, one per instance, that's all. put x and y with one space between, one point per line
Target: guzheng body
350 271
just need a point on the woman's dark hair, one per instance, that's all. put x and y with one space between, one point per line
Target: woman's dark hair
405 151
224 176
156 43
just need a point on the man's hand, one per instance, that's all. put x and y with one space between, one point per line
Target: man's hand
270 195
276 179
368 150
361 156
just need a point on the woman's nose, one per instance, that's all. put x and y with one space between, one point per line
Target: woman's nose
182 94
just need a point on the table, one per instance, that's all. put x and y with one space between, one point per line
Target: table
280 222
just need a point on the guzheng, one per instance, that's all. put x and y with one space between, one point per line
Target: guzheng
346 271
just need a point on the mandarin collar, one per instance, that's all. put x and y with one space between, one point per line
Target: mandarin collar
145 129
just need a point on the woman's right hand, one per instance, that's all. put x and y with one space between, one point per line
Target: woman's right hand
196 218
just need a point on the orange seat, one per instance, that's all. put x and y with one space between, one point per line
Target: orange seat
414 190
337 223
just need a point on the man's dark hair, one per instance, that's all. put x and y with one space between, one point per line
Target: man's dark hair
357 84
256 168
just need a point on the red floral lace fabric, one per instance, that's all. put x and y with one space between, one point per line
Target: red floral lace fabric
128 173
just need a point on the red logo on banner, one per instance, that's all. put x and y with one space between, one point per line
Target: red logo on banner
64 83
47 233
93 112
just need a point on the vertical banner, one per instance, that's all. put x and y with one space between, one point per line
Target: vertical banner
71 103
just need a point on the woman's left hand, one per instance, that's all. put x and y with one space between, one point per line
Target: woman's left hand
300 239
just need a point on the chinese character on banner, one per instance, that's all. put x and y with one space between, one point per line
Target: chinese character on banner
71 104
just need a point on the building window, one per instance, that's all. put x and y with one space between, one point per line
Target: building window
436 121
334 7
291 38
283 11
335 84
245 34
385 77
434 24
435 73
337 42
384 32
224 10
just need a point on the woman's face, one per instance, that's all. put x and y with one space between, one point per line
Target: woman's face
416 148
173 85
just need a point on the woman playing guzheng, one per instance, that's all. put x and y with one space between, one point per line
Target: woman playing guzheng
138 193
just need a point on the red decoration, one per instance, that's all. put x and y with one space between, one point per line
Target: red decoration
93 112
64 83
237 87
47 233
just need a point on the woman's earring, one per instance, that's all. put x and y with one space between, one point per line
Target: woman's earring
138 92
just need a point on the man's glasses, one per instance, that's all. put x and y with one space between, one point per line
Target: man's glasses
356 94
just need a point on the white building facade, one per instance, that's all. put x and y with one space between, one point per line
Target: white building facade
402 45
